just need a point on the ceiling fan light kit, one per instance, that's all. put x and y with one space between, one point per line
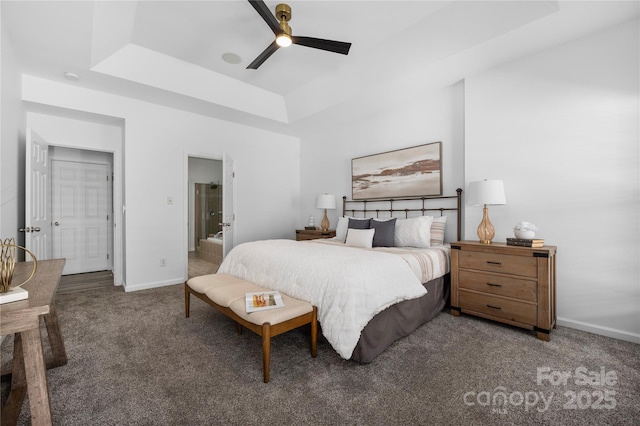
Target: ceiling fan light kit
282 31
283 40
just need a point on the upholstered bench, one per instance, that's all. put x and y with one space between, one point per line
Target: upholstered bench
227 293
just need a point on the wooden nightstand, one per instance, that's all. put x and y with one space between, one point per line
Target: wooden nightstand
510 284
313 234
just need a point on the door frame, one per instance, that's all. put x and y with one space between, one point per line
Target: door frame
117 195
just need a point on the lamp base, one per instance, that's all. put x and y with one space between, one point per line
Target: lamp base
486 231
324 225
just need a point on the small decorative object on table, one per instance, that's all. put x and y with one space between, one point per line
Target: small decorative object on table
8 250
525 233
525 230
311 226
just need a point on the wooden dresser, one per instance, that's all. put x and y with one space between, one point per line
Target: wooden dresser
509 284
313 234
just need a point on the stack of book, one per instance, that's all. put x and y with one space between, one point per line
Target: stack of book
525 242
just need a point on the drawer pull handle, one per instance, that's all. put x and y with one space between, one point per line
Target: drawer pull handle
494 263
494 285
493 307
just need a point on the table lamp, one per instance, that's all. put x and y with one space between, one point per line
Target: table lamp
326 201
486 193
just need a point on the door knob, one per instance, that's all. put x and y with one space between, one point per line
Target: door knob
57 224
29 229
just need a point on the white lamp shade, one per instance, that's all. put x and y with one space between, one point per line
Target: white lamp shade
486 192
326 201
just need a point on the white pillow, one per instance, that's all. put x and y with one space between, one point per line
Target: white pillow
360 237
343 225
413 232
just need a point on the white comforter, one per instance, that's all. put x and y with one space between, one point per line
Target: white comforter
348 285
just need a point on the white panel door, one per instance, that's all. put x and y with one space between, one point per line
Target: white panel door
80 215
228 212
37 221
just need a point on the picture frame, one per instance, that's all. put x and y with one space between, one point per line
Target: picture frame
407 172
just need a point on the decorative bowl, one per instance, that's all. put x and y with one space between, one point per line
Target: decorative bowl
524 234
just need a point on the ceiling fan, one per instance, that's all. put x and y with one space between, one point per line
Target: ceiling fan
282 30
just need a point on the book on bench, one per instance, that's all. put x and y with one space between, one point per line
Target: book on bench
263 300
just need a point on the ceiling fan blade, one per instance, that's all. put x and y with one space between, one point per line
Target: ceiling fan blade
263 56
268 17
319 43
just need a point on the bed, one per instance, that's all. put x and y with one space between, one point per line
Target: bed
367 297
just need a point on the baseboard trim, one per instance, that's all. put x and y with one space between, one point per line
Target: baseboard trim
597 329
146 286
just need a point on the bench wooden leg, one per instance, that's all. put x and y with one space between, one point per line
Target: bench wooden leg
314 333
266 350
187 298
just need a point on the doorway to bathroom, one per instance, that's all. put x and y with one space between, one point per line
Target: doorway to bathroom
205 215
208 210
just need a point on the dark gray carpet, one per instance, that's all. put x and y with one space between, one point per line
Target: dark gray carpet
135 360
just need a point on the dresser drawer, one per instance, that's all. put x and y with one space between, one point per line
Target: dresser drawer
511 310
313 234
305 237
525 266
499 284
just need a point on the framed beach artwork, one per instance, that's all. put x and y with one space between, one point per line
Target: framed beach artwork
409 172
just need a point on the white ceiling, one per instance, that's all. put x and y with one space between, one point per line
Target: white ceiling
171 51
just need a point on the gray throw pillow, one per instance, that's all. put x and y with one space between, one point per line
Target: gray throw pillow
385 230
359 223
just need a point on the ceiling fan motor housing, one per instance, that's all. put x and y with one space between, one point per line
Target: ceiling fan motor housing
283 12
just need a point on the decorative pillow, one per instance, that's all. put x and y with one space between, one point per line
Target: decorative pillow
413 232
437 230
341 228
343 225
360 237
385 231
359 223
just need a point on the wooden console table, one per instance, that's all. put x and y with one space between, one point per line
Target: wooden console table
22 318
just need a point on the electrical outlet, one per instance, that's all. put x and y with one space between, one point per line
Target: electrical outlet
163 261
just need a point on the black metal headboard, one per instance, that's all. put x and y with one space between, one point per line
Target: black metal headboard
407 205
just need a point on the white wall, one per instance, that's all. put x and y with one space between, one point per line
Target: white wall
12 119
428 116
561 129
157 142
